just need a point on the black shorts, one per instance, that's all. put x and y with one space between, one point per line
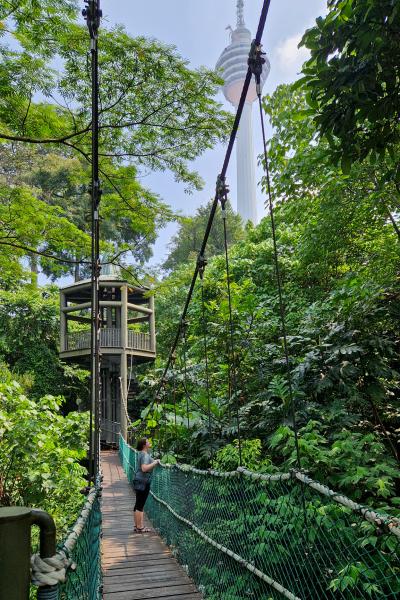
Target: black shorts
141 497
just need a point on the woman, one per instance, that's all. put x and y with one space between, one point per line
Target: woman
141 483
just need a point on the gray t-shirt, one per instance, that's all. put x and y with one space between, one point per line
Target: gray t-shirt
143 459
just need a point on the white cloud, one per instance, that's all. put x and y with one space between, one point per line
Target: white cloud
288 57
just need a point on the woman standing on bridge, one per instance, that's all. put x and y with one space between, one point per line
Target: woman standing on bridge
141 483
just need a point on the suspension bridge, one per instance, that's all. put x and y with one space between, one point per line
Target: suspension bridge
214 535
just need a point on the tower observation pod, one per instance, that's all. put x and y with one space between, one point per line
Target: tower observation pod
233 67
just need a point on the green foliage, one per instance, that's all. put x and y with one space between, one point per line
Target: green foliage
40 452
185 245
354 462
338 254
29 333
168 459
228 458
45 128
182 121
351 78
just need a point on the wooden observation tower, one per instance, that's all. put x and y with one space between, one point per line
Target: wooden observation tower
127 338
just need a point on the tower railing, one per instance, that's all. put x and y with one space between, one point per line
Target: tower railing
110 337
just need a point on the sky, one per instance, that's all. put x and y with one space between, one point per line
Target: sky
198 30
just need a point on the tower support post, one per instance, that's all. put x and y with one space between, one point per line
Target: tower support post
93 14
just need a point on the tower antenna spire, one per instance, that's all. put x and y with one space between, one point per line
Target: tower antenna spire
240 16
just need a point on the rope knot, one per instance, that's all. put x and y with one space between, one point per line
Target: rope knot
201 264
184 326
49 571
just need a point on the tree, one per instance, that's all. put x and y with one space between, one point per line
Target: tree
352 78
339 212
185 244
29 333
155 113
339 267
29 227
40 452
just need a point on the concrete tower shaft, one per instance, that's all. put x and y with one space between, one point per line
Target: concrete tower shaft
233 66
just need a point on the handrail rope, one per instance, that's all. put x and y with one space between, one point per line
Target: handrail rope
53 570
124 403
392 523
236 557
379 519
122 393
232 138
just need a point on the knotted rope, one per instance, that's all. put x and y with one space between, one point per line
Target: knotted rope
50 571
53 570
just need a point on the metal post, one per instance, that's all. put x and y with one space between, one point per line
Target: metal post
93 14
15 551
124 365
47 548
152 323
63 323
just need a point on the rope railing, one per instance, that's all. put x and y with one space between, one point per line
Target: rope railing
241 534
75 570
220 192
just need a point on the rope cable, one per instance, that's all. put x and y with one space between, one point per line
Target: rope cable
205 342
228 154
256 62
223 197
184 327
278 274
174 397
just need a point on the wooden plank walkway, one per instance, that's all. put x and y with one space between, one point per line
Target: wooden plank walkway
135 566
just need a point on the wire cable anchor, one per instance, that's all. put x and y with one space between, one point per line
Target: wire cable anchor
201 265
256 62
222 191
92 14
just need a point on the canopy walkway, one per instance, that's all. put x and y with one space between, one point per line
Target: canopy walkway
238 535
134 566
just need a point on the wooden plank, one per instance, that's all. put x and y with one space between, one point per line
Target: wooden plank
107 558
133 571
142 582
148 559
117 596
135 566
175 591
130 563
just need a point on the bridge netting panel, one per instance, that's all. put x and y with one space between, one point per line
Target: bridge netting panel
82 548
245 536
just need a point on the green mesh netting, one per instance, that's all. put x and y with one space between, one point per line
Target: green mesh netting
84 578
285 538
